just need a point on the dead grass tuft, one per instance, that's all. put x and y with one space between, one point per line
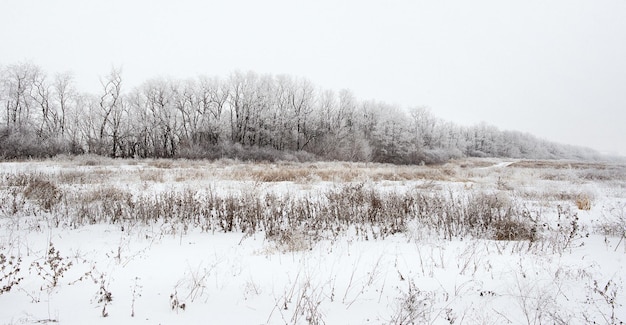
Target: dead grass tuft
285 174
161 163
336 172
583 202
511 229
74 177
44 192
106 194
291 241
92 160
558 164
156 176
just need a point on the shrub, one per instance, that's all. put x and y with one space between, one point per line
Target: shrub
511 229
25 143
52 268
44 192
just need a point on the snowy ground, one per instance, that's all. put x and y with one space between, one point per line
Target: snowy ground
168 272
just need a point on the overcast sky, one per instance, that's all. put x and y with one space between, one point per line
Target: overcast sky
556 68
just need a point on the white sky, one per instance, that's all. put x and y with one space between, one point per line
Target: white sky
556 68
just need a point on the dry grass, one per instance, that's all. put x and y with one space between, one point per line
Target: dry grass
583 202
156 176
555 175
93 175
372 211
35 187
106 193
192 174
557 164
373 200
44 192
471 163
90 160
511 229
581 199
338 172
162 163
557 170
105 170
274 174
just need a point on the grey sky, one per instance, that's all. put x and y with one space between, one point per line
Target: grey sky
556 69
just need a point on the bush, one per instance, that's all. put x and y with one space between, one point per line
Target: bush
511 229
25 143
44 192
228 150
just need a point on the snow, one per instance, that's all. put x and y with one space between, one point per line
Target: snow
416 277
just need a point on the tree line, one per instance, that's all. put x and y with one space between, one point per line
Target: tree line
246 116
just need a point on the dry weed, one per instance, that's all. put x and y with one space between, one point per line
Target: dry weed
156 176
92 160
105 193
284 174
291 241
44 192
583 202
75 177
161 163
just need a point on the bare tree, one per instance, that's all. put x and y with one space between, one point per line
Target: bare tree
163 117
18 80
110 105
213 97
185 102
41 96
240 100
301 100
65 94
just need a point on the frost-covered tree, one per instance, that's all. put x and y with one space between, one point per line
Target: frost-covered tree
109 115
212 97
390 135
162 116
211 117
64 94
18 85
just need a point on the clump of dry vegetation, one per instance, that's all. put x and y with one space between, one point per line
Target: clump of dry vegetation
34 187
613 222
161 163
583 202
344 172
156 176
559 170
44 192
371 212
355 202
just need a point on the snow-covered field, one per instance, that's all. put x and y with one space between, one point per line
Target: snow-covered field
89 240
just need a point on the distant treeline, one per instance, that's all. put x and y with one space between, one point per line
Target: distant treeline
245 116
